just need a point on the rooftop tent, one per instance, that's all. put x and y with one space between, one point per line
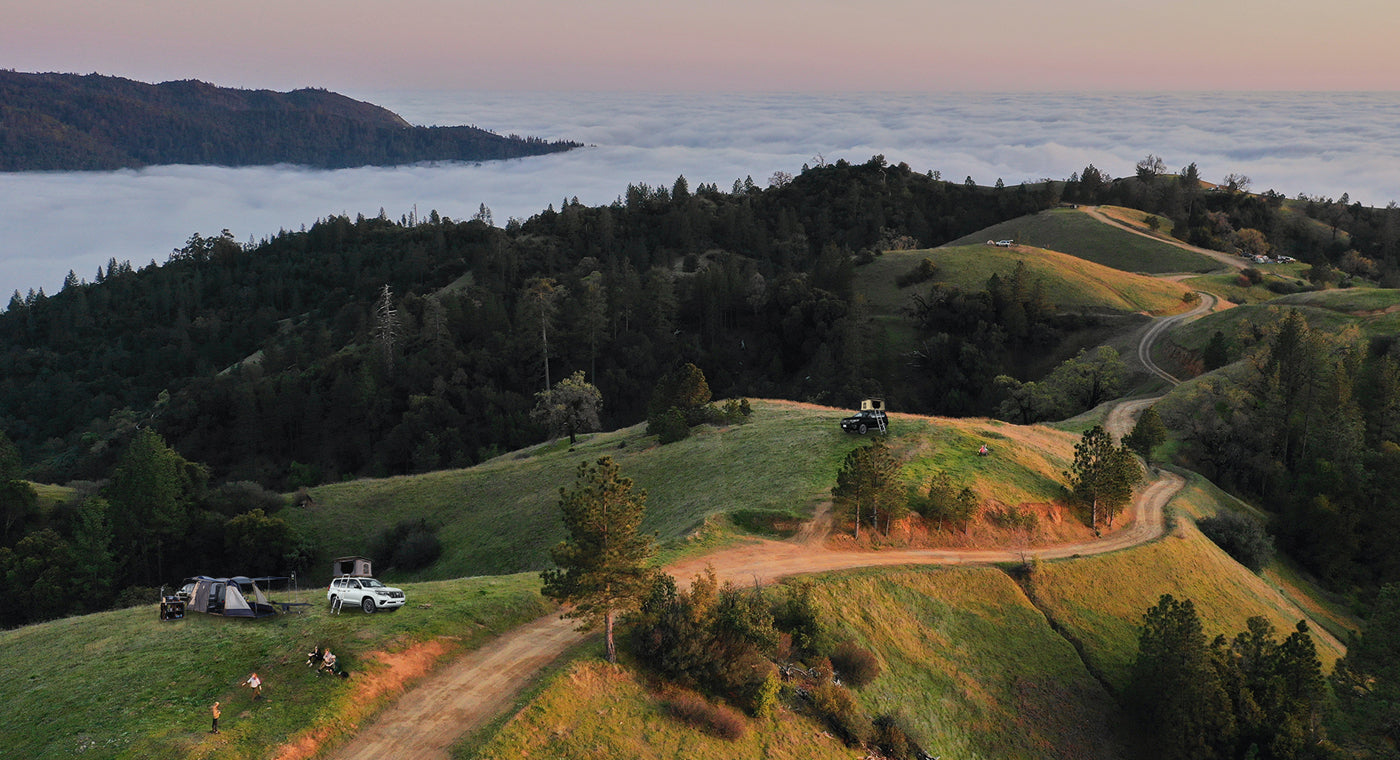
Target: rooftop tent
231 597
350 566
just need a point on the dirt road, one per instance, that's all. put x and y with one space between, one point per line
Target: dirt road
1160 326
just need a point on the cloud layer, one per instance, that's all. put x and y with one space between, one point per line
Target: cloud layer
1321 144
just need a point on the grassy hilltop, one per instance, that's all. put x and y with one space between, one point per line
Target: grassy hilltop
1078 234
784 459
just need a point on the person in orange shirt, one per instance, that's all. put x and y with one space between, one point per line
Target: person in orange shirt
217 712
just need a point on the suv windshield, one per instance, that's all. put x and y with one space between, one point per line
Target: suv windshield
371 583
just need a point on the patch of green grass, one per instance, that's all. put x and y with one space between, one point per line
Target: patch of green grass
1135 218
1069 282
784 459
597 711
1100 600
973 667
124 684
1349 300
1228 287
1076 233
1194 335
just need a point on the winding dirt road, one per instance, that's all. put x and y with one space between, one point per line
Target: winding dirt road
467 694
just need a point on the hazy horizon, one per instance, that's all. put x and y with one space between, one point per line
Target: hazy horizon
1321 144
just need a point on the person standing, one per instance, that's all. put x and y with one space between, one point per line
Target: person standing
217 712
255 684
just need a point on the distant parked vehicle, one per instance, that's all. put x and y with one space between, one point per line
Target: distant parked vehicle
870 417
1005 243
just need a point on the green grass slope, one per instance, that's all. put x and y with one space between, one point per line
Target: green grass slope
126 685
975 666
1070 282
974 669
1076 233
502 516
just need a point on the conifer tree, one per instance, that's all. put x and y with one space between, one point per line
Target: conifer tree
602 566
1102 476
1148 433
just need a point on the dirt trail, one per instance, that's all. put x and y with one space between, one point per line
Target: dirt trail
1224 258
471 691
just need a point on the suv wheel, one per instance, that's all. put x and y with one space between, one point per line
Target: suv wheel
334 599
862 428
367 604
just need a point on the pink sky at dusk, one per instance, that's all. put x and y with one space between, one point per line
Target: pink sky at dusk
717 45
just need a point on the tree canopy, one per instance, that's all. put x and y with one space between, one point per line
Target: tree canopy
602 567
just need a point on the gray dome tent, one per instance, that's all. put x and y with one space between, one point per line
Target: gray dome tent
238 596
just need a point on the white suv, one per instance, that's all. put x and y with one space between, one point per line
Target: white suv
368 593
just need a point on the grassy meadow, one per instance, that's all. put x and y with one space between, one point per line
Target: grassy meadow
124 684
1076 233
784 459
1070 282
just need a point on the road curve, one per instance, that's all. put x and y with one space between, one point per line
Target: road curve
467 694
1160 326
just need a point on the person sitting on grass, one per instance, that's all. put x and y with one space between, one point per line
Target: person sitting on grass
314 658
327 662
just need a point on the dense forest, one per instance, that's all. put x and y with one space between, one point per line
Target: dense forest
71 122
373 346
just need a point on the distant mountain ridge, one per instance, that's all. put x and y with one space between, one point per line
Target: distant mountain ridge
95 122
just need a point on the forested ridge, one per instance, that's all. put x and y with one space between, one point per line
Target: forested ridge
94 122
268 362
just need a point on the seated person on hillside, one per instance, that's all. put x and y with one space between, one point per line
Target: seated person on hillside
327 662
314 658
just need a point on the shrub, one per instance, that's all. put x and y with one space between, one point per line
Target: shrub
410 545
1252 276
668 426
837 707
1007 516
776 522
242 496
418 550
765 702
692 709
856 666
922 272
135 596
892 740
1242 537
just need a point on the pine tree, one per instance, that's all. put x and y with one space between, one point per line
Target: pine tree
1148 433
1175 688
602 566
867 482
1102 476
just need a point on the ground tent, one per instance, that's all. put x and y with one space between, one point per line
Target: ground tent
238 596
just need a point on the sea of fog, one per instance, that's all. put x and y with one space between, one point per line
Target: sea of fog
1323 144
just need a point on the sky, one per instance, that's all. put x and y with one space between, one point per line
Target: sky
717 45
